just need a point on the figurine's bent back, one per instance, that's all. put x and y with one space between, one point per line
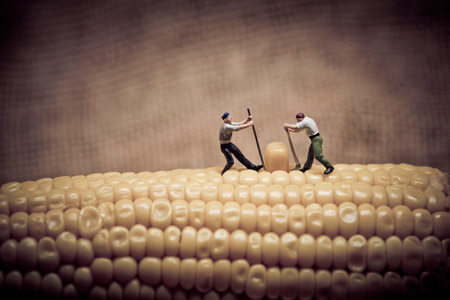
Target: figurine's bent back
228 148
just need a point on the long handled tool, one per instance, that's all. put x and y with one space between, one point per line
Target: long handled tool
257 143
298 165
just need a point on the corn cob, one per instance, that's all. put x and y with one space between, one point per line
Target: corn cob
221 280
363 231
424 190
410 255
346 219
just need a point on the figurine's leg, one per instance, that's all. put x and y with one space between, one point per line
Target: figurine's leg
317 148
227 153
240 157
309 161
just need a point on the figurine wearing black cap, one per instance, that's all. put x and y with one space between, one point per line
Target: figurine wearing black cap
228 148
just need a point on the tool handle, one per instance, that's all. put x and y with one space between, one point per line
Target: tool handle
257 142
292 149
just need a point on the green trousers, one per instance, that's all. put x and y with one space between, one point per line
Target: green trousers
315 151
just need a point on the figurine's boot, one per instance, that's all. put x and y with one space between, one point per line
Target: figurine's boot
328 170
297 166
257 168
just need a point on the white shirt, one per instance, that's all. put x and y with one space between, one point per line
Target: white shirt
226 132
309 125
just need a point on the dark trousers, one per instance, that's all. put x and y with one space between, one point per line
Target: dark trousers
230 148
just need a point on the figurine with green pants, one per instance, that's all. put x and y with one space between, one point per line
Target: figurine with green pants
315 149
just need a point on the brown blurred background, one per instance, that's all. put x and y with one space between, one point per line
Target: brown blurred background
97 86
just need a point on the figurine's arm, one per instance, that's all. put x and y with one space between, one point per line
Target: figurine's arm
249 118
245 124
291 127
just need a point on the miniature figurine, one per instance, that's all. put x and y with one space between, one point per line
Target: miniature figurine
228 148
315 149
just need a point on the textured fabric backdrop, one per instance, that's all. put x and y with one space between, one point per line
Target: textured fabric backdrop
96 86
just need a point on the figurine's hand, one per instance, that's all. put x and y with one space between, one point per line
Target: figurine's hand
251 123
249 118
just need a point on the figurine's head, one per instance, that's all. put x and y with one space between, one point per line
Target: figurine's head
300 117
226 117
